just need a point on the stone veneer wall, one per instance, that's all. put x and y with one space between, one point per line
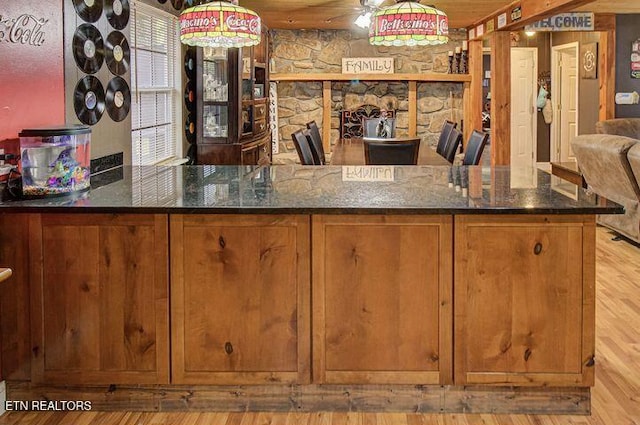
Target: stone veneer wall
321 51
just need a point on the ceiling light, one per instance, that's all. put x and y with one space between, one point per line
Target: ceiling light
530 33
364 20
408 23
219 24
371 3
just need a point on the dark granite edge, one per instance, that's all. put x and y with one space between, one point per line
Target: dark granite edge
307 211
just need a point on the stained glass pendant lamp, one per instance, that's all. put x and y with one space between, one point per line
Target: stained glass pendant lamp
219 24
408 23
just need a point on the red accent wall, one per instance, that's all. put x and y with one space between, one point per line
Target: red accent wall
31 65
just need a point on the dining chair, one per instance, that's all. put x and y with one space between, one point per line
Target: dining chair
316 143
453 144
396 153
475 147
444 136
302 142
370 127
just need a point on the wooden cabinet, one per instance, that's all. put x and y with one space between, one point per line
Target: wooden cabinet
232 87
524 300
99 299
382 299
240 299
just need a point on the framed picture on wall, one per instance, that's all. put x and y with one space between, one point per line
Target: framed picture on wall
635 59
589 61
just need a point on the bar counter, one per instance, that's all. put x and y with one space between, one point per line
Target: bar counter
322 190
296 288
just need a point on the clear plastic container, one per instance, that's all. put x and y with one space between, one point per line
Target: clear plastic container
55 161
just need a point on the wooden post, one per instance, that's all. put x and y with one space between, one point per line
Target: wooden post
500 98
326 115
473 91
606 23
413 108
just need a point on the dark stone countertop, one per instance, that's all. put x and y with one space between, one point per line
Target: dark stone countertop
286 189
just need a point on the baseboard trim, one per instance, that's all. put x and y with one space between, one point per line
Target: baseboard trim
317 398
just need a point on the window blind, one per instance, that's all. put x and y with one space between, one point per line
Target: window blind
155 103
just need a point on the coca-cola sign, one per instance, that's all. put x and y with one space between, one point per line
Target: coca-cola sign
243 22
25 29
232 21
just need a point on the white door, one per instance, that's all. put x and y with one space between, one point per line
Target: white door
523 110
565 101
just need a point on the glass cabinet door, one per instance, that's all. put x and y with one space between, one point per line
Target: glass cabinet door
215 93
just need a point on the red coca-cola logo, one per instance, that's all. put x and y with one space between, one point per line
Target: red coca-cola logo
243 23
25 29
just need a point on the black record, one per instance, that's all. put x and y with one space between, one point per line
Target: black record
88 100
88 10
190 96
118 99
117 53
190 62
177 4
162 1
117 12
88 48
190 128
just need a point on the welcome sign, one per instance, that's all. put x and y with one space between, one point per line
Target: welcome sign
577 21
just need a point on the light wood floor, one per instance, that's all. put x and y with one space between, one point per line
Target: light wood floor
615 397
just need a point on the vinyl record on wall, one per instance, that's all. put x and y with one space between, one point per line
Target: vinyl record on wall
177 4
88 100
117 12
190 62
88 48
88 10
190 96
118 99
117 53
190 128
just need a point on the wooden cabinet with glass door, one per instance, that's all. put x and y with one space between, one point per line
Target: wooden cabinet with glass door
232 109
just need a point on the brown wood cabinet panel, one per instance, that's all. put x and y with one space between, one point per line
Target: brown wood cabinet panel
524 300
14 299
382 299
240 299
99 298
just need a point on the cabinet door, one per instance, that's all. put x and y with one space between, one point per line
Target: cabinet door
99 299
382 299
524 300
240 299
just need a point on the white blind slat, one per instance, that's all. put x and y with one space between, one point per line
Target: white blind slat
155 86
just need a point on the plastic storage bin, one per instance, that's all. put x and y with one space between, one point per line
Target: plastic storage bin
55 161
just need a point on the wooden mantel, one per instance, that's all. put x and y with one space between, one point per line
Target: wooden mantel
412 80
424 77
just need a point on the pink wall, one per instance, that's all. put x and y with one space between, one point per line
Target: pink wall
31 65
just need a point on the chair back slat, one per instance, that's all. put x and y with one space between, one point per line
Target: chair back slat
475 147
453 144
444 136
302 142
316 143
396 153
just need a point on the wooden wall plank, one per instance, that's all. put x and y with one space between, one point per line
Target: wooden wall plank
607 65
500 98
413 108
326 116
473 91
